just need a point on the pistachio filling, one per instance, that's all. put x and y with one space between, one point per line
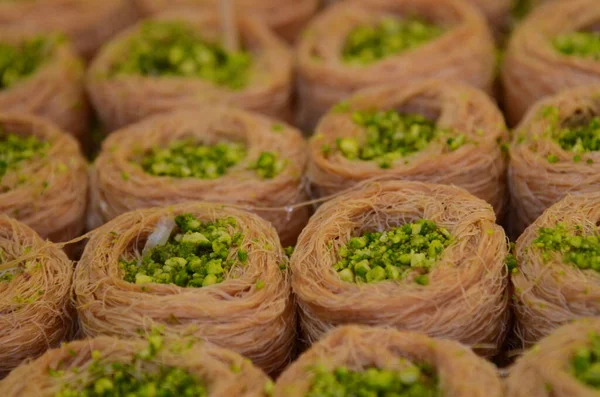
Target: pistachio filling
579 44
130 379
197 254
16 149
580 137
410 249
585 365
410 381
176 49
391 36
188 159
19 61
577 249
390 135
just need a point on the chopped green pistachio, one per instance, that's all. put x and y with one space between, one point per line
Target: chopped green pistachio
143 279
579 44
390 135
133 378
577 249
456 142
17 62
7 277
585 364
177 49
349 147
187 159
269 387
511 263
410 381
552 158
391 36
289 251
412 248
243 255
268 165
16 149
197 254
346 275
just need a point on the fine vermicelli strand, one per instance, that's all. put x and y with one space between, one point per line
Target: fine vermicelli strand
464 114
250 312
548 291
47 192
34 294
325 77
543 166
220 372
533 68
88 24
119 184
356 348
549 368
286 18
121 99
465 297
